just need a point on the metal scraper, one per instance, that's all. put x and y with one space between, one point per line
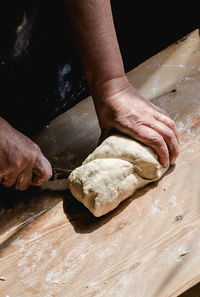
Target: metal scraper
58 181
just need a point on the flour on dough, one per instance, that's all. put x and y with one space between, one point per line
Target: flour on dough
113 172
122 147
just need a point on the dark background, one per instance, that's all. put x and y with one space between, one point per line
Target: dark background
36 83
144 29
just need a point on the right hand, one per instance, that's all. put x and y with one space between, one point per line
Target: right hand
120 107
21 161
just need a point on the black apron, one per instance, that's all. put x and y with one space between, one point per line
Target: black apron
40 70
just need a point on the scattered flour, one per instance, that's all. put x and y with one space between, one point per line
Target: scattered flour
180 126
173 201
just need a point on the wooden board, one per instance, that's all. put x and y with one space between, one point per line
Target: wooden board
50 245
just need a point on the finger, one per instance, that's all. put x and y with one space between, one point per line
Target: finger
160 110
152 139
24 179
169 122
42 171
169 137
8 180
5 175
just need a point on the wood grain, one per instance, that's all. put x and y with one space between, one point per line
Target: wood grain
50 245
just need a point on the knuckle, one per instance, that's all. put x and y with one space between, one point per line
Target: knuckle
169 135
157 141
138 131
30 156
33 156
127 125
172 124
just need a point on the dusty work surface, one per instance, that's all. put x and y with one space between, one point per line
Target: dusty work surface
50 245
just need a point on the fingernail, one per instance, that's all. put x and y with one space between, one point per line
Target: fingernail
21 179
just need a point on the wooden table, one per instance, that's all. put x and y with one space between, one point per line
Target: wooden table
50 245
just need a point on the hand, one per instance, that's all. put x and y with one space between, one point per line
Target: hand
21 160
119 106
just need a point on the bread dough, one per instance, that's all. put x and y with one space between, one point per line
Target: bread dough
124 148
113 172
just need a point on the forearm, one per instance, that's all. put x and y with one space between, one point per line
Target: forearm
119 106
97 43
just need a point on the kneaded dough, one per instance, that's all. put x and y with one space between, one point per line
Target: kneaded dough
124 148
113 172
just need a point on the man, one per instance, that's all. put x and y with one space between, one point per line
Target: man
118 104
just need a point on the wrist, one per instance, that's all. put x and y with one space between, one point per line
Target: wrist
109 87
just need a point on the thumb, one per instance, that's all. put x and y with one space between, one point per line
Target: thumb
42 170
